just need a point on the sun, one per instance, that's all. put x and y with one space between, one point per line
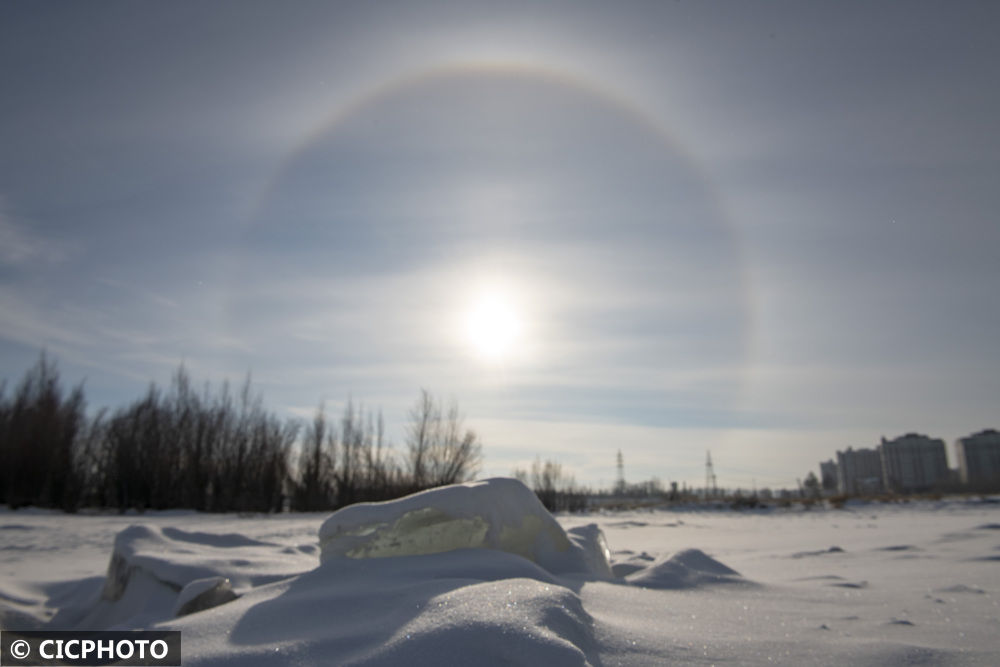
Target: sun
493 326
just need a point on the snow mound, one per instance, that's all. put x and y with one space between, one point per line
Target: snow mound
175 558
459 607
156 573
690 568
498 513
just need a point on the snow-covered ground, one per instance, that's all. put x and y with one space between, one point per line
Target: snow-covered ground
871 584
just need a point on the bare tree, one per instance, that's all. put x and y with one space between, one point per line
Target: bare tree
383 474
419 437
440 449
556 490
314 486
368 470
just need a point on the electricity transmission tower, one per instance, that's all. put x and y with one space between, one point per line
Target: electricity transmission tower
620 482
710 489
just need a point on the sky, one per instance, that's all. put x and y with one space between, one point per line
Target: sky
762 229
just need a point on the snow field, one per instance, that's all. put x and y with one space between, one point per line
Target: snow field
869 585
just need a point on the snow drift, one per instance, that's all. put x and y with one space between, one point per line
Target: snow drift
157 573
689 568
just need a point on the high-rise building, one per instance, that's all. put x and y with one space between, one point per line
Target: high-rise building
979 457
859 472
913 463
828 476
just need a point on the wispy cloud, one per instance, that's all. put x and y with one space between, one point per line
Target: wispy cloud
149 295
20 246
25 322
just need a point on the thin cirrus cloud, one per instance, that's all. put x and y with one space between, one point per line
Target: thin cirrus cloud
20 247
765 230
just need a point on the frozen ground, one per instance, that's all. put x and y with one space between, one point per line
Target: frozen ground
904 584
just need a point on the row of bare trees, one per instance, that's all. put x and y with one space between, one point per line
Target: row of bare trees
348 463
214 451
41 428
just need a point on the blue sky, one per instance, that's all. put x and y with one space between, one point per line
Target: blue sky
764 229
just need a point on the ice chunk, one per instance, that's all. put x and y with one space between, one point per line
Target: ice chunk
204 594
422 531
594 549
127 559
498 513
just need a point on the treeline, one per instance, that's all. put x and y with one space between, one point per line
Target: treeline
215 451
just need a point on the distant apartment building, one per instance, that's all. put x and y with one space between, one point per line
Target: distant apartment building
913 463
828 476
859 472
979 458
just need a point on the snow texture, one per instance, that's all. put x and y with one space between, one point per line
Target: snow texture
906 584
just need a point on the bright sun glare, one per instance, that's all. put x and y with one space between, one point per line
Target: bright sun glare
493 326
